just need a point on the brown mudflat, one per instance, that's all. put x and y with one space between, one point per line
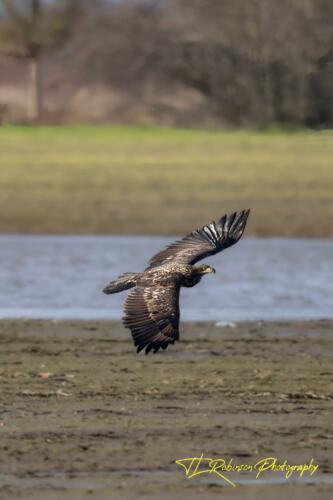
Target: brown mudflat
83 416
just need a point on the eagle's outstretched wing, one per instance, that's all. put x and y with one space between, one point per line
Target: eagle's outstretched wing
152 315
203 242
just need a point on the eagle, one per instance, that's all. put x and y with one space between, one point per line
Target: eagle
152 307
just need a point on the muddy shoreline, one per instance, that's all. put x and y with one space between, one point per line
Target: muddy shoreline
83 416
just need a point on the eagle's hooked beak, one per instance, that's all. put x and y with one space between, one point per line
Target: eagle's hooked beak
210 270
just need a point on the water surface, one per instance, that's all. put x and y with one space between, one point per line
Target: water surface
61 277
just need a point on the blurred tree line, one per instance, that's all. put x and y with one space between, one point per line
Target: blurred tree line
255 62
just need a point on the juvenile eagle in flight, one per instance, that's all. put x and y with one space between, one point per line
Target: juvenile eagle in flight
152 308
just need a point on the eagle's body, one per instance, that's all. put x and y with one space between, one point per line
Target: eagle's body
152 308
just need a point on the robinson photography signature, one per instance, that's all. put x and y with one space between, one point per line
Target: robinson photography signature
221 467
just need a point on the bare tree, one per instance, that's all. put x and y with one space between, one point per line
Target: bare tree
254 62
260 61
28 28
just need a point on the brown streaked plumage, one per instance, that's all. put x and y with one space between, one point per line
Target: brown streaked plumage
152 308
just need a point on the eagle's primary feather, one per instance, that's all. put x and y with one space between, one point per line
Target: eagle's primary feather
152 308
152 314
208 240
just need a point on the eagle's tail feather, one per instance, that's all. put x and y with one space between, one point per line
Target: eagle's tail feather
123 282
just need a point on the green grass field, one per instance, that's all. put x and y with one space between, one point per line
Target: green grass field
150 181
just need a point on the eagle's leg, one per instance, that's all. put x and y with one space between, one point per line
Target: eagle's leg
192 281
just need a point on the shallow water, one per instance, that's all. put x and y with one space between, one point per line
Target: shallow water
61 277
99 481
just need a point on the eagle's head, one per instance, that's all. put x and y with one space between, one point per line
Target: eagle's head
205 269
